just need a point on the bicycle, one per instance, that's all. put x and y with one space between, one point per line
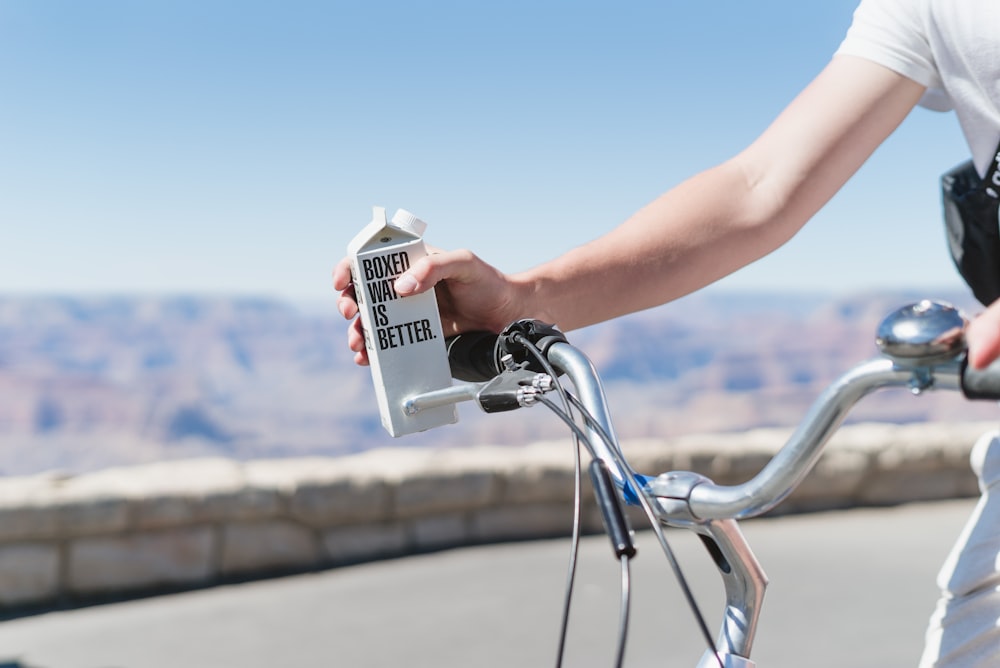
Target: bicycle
921 346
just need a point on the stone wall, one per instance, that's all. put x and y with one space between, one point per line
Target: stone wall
185 524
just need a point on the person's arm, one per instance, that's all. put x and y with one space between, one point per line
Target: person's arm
698 232
733 214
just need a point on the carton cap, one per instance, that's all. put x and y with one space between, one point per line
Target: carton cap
406 221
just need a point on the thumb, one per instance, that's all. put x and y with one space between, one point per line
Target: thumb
983 337
431 269
407 284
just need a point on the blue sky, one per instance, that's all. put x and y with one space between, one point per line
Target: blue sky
193 146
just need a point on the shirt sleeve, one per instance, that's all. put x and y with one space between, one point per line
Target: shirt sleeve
893 33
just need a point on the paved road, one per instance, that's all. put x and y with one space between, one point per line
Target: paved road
848 589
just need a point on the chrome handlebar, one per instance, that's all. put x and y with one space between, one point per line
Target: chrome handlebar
922 348
790 465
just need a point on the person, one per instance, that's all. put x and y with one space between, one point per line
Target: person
897 54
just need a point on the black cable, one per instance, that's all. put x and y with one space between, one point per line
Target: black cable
626 583
580 436
574 551
640 493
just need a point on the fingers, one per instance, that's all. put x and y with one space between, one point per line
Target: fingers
347 304
457 266
342 274
356 342
983 336
474 289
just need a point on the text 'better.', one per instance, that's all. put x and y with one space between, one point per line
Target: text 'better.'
380 276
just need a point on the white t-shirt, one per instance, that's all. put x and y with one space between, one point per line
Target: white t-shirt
950 46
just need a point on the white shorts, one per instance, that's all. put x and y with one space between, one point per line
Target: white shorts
964 630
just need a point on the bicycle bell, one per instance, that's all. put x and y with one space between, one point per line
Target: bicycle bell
922 334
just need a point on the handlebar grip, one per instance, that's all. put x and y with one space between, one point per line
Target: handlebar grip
473 356
981 383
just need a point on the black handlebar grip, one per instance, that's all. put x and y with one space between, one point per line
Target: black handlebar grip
473 356
981 383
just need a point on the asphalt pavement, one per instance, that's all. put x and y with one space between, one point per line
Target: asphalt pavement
851 588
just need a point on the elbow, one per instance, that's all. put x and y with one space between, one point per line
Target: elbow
771 206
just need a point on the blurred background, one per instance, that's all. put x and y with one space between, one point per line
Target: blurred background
177 180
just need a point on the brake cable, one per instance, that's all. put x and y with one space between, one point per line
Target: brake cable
601 479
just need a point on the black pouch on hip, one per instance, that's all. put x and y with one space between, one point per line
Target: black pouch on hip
971 207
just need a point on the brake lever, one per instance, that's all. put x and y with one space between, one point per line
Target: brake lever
517 387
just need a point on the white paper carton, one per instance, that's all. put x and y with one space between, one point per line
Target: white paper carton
403 335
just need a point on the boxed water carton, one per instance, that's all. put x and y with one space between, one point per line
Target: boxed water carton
403 335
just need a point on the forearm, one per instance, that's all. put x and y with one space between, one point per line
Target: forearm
695 234
733 214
